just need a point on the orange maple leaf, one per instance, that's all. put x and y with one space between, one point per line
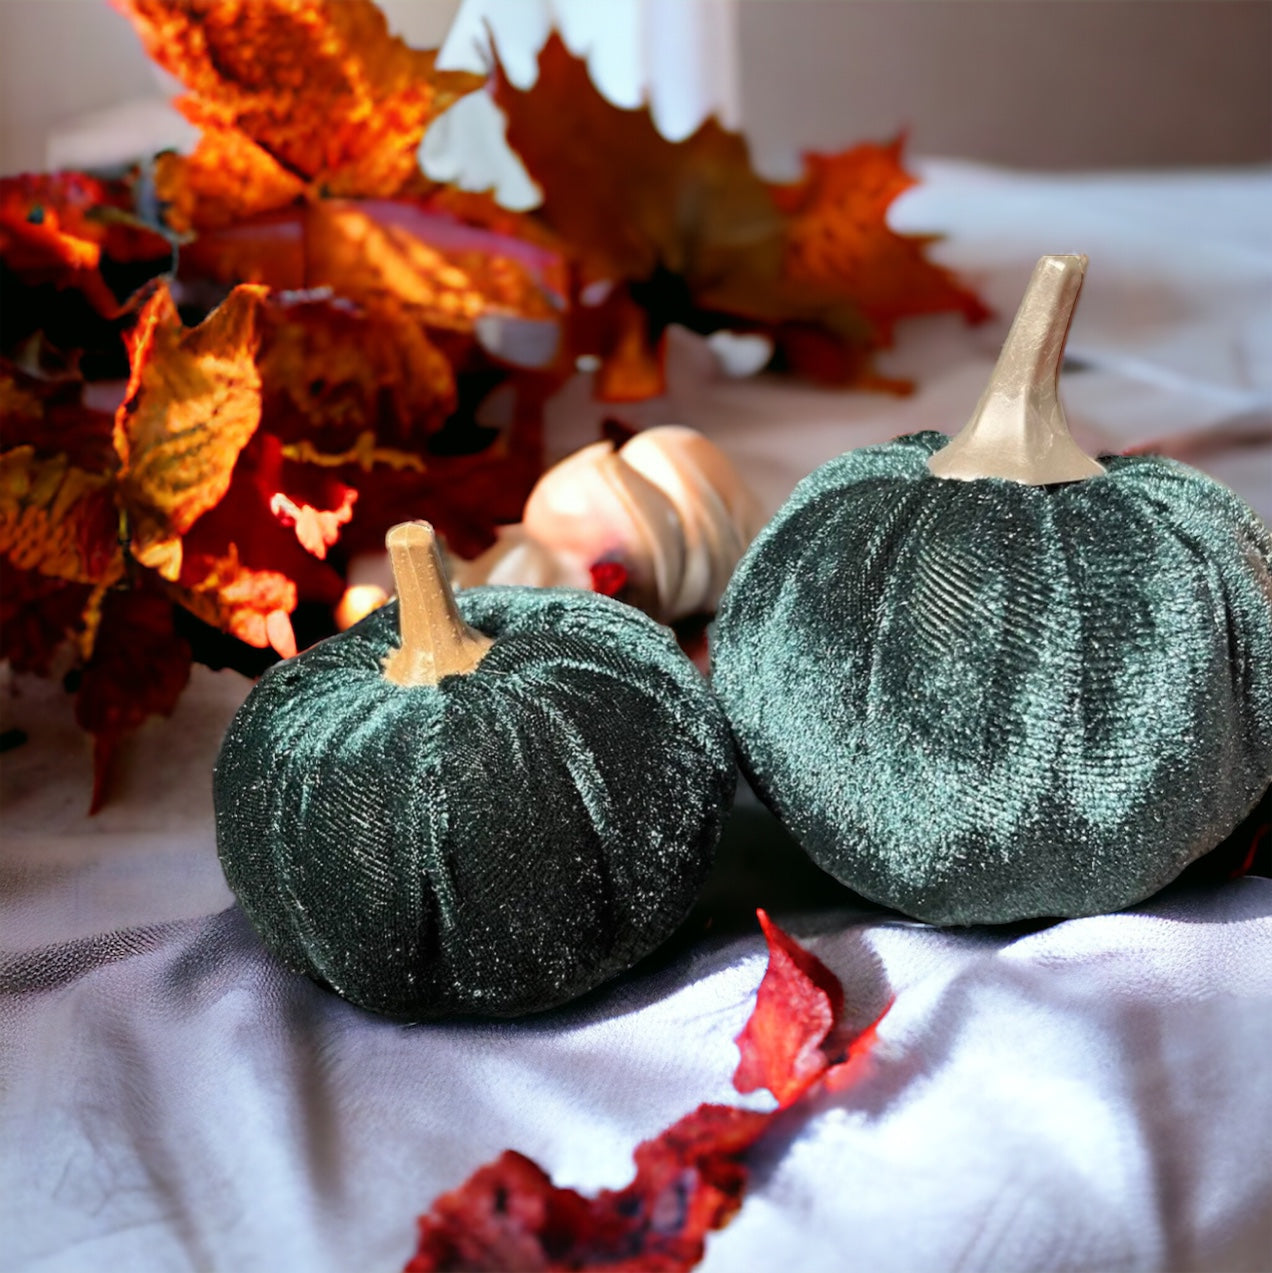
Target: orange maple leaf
193 403
58 519
404 263
226 180
57 228
689 233
306 173
320 87
331 371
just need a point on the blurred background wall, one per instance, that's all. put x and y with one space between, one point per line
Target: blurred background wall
1032 83
1038 83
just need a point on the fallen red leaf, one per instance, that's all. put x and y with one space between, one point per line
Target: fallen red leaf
689 1180
509 1215
796 1008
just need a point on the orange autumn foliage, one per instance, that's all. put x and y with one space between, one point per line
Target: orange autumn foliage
688 232
325 94
193 403
57 228
373 346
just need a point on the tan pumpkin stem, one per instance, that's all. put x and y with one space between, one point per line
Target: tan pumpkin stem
1019 430
436 642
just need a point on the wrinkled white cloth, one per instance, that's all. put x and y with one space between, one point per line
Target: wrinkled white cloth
1089 1095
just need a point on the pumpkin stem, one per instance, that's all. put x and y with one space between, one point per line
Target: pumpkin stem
436 642
1018 430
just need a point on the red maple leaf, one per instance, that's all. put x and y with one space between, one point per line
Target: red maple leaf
690 1179
38 614
138 668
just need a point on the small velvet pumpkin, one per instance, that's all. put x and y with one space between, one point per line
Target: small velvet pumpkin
524 822
993 679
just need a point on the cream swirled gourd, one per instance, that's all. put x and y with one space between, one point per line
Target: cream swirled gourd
667 506
990 678
497 810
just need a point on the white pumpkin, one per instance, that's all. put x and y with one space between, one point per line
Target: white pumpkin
667 506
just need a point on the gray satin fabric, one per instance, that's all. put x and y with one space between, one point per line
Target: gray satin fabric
1083 1096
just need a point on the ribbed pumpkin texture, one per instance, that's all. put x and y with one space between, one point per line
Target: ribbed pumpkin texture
978 699
496 843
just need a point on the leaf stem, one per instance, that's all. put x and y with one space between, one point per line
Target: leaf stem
436 642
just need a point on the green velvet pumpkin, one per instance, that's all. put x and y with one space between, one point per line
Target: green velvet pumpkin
497 843
984 700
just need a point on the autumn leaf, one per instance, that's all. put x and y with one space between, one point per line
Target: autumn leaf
796 1007
59 228
227 180
402 264
58 519
49 415
689 1180
447 274
253 605
57 473
331 371
138 668
251 558
322 89
509 1215
693 235
794 1038
193 403
467 492
317 528
38 615
836 231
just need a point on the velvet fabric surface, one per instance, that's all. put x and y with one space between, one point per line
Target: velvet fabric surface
983 701
498 843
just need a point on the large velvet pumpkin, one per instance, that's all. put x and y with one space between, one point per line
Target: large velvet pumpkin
498 842
986 699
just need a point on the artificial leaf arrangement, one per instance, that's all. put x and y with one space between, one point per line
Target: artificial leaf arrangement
223 374
690 1179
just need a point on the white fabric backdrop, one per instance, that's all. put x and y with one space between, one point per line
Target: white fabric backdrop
1088 1095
